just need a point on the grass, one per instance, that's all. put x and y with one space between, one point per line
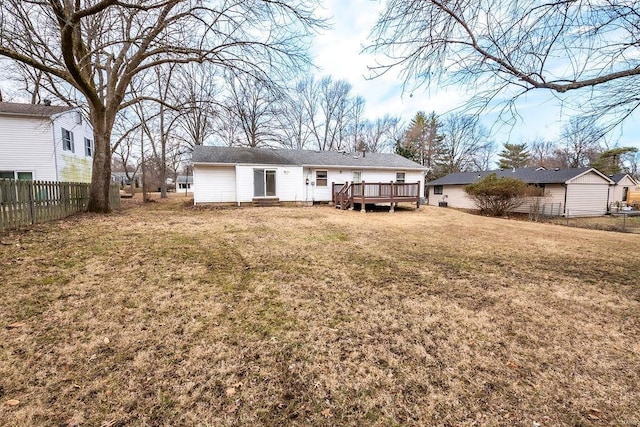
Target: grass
167 315
630 224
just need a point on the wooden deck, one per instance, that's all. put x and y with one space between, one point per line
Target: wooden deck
346 195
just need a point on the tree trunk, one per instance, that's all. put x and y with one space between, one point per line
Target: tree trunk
101 174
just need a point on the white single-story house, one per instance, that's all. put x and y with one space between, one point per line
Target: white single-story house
184 184
568 192
45 142
247 175
623 183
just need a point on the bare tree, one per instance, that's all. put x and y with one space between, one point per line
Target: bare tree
293 118
327 105
252 108
580 143
98 47
357 122
377 135
503 49
541 154
482 158
196 86
463 139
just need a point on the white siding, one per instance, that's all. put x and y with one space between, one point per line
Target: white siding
587 199
341 175
616 191
73 166
454 195
553 199
289 182
590 177
216 184
26 146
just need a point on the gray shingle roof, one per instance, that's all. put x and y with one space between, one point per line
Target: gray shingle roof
617 177
183 179
34 110
268 156
528 175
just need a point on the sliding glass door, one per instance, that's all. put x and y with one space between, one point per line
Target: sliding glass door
264 183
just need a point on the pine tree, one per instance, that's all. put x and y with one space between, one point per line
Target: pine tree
513 156
423 140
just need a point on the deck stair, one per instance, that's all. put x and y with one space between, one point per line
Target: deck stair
266 201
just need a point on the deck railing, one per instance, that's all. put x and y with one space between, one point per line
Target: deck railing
30 202
345 195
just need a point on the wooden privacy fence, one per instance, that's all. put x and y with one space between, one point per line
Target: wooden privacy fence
29 202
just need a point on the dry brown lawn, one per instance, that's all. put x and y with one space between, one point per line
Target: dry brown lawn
164 315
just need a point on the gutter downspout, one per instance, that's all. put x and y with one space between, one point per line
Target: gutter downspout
55 151
237 193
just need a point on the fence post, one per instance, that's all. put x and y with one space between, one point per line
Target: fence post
31 201
624 222
392 191
362 208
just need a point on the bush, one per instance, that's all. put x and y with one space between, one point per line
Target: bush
498 196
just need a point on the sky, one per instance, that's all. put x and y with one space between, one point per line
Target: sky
337 52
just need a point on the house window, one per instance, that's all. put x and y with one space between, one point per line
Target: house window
400 176
438 189
321 178
264 183
625 193
22 176
88 147
25 176
357 177
67 140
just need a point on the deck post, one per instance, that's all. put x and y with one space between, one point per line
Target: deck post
391 208
362 208
418 196
333 192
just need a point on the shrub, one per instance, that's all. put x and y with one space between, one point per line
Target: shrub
498 196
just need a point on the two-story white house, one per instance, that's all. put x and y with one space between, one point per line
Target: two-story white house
45 143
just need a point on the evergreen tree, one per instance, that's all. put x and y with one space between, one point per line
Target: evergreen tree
610 162
513 156
423 140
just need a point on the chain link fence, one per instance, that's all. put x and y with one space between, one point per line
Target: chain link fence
626 221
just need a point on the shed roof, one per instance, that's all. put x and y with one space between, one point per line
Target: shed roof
268 156
32 110
528 175
617 177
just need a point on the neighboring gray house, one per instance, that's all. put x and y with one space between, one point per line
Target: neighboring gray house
569 192
245 175
45 142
